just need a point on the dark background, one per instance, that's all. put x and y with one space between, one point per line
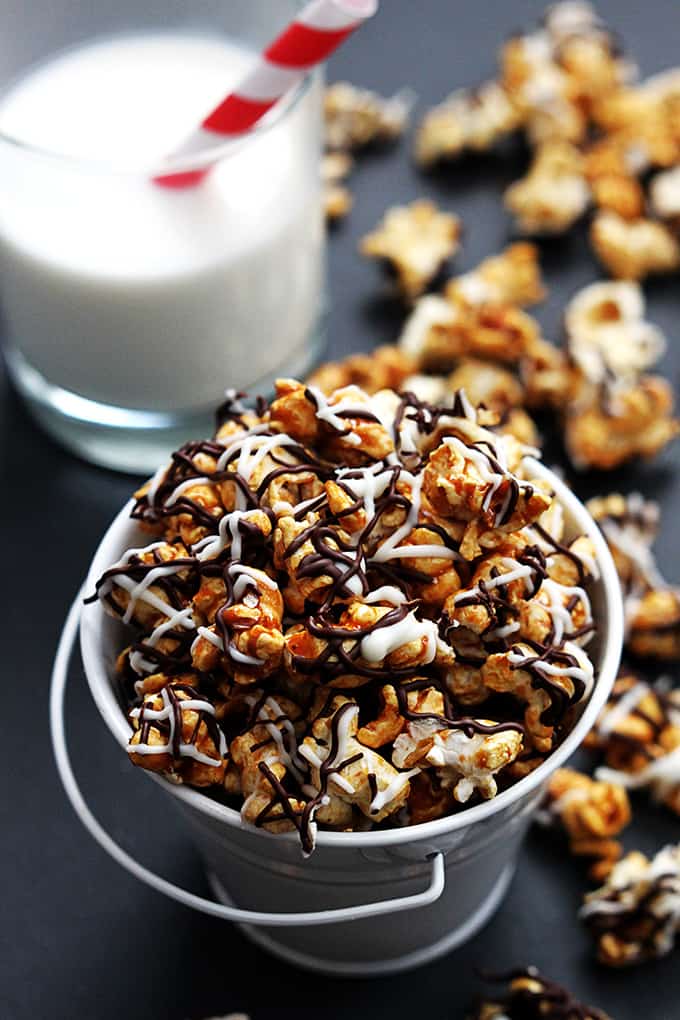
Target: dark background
82 939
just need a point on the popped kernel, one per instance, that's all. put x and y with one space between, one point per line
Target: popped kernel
635 915
415 241
356 117
553 195
634 249
467 120
592 813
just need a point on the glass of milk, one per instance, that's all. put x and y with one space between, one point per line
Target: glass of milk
128 308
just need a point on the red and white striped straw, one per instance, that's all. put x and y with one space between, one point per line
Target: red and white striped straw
317 31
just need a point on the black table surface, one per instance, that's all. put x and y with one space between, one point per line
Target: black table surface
80 938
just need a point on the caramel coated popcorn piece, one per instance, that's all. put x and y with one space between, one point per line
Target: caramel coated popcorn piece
356 117
635 915
654 626
546 681
468 120
553 195
639 424
638 734
635 249
465 760
513 277
592 813
529 994
630 525
356 774
175 731
415 240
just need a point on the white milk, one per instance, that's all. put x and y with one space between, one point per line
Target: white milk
133 295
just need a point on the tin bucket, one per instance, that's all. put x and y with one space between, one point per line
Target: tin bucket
443 878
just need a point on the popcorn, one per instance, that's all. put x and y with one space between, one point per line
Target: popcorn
529 993
638 424
638 734
468 120
513 277
439 333
553 195
635 915
655 625
630 525
464 761
175 732
633 250
362 570
356 117
592 813
415 240
547 681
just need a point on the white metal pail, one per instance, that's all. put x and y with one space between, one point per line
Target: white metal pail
442 879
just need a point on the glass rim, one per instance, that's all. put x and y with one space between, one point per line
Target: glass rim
213 153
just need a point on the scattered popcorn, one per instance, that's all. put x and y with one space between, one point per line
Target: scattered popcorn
415 241
634 249
638 735
635 915
592 813
356 117
468 120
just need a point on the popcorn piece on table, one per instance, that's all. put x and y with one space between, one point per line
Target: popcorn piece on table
553 195
439 333
654 625
530 995
639 423
607 334
468 120
635 915
638 734
513 277
615 412
635 249
415 240
630 525
619 193
356 117
592 813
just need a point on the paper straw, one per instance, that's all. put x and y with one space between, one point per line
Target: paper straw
316 32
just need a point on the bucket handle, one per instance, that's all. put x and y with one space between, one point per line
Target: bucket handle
258 917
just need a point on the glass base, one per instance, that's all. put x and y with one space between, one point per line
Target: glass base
130 440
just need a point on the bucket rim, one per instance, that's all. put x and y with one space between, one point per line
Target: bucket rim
611 633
